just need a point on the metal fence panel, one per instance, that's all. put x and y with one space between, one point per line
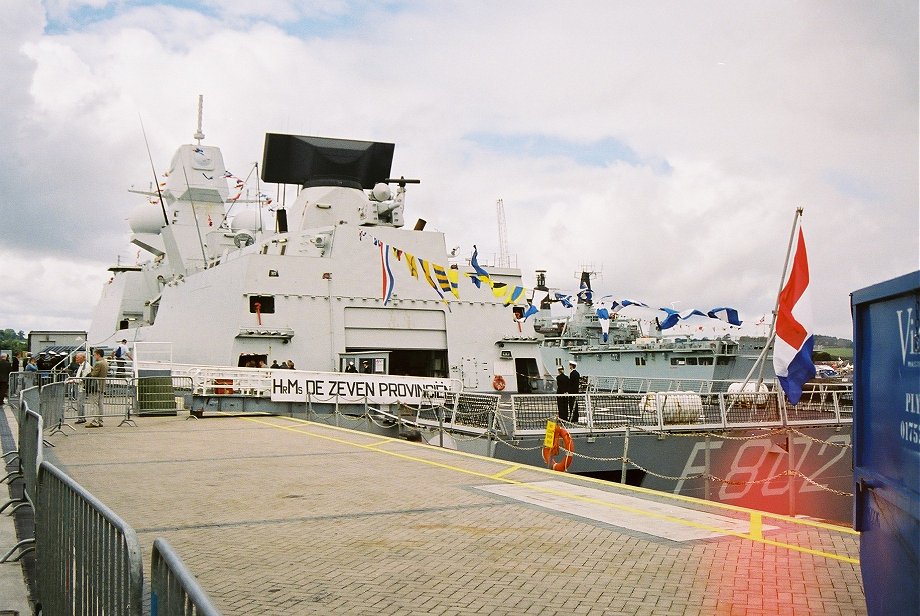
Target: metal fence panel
30 450
75 400
174 591
613 411
822 403
753 408
463 412
473 411
30 456
89 560
32 397
532 411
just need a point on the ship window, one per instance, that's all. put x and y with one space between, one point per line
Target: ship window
678 361
266 304
722 361
691 361
705 361
640 361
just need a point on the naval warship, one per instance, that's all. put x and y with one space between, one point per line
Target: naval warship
335 310
625 354
336 280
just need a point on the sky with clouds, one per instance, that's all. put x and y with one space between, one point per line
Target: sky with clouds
664 144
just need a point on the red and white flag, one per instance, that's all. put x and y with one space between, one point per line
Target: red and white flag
795 339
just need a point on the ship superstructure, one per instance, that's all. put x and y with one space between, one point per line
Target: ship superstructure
313 289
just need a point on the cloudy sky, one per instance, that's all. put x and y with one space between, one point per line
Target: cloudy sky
664 144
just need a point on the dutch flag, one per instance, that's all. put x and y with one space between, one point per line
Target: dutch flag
794 331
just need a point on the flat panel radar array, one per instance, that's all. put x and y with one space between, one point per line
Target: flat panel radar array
321 161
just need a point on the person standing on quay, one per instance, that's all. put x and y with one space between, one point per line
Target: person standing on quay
78 371
6 367
574 386
122 354
96 387
562 388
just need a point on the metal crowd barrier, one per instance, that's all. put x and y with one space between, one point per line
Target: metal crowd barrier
32 398
30 457
88 559
174 591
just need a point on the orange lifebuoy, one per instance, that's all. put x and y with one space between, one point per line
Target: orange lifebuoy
550 452
498 383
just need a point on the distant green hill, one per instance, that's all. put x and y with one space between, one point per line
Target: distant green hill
827 348
832 342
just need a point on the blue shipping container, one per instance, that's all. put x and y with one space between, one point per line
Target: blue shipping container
886 442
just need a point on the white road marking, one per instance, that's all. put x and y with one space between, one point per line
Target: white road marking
569 498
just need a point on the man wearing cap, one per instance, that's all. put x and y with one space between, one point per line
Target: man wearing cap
574 386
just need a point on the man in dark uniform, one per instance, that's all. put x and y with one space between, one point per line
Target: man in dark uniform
574 386
562 387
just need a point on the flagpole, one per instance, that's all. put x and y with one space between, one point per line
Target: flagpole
772 337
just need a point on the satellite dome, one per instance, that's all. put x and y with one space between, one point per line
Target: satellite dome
245 220
147 218
382 192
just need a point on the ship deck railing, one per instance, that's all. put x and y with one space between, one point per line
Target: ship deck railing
677 411
683 405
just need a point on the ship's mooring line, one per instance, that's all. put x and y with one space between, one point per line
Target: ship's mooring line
823 442
715 478
543 489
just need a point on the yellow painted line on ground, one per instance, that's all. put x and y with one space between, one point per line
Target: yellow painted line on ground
378 443
749 536
756 528
622 486
507 471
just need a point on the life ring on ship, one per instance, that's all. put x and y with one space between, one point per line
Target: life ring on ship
498 383
550 452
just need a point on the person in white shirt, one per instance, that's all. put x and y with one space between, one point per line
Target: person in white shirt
122 355
82 370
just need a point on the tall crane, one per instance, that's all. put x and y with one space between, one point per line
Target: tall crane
504 258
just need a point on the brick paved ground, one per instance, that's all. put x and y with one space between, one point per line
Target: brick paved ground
281 517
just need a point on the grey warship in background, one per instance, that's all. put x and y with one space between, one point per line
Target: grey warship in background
330 284
636 361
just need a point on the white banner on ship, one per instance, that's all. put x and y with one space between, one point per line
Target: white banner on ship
300 386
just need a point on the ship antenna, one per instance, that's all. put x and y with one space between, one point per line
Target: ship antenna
198 136
156 180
